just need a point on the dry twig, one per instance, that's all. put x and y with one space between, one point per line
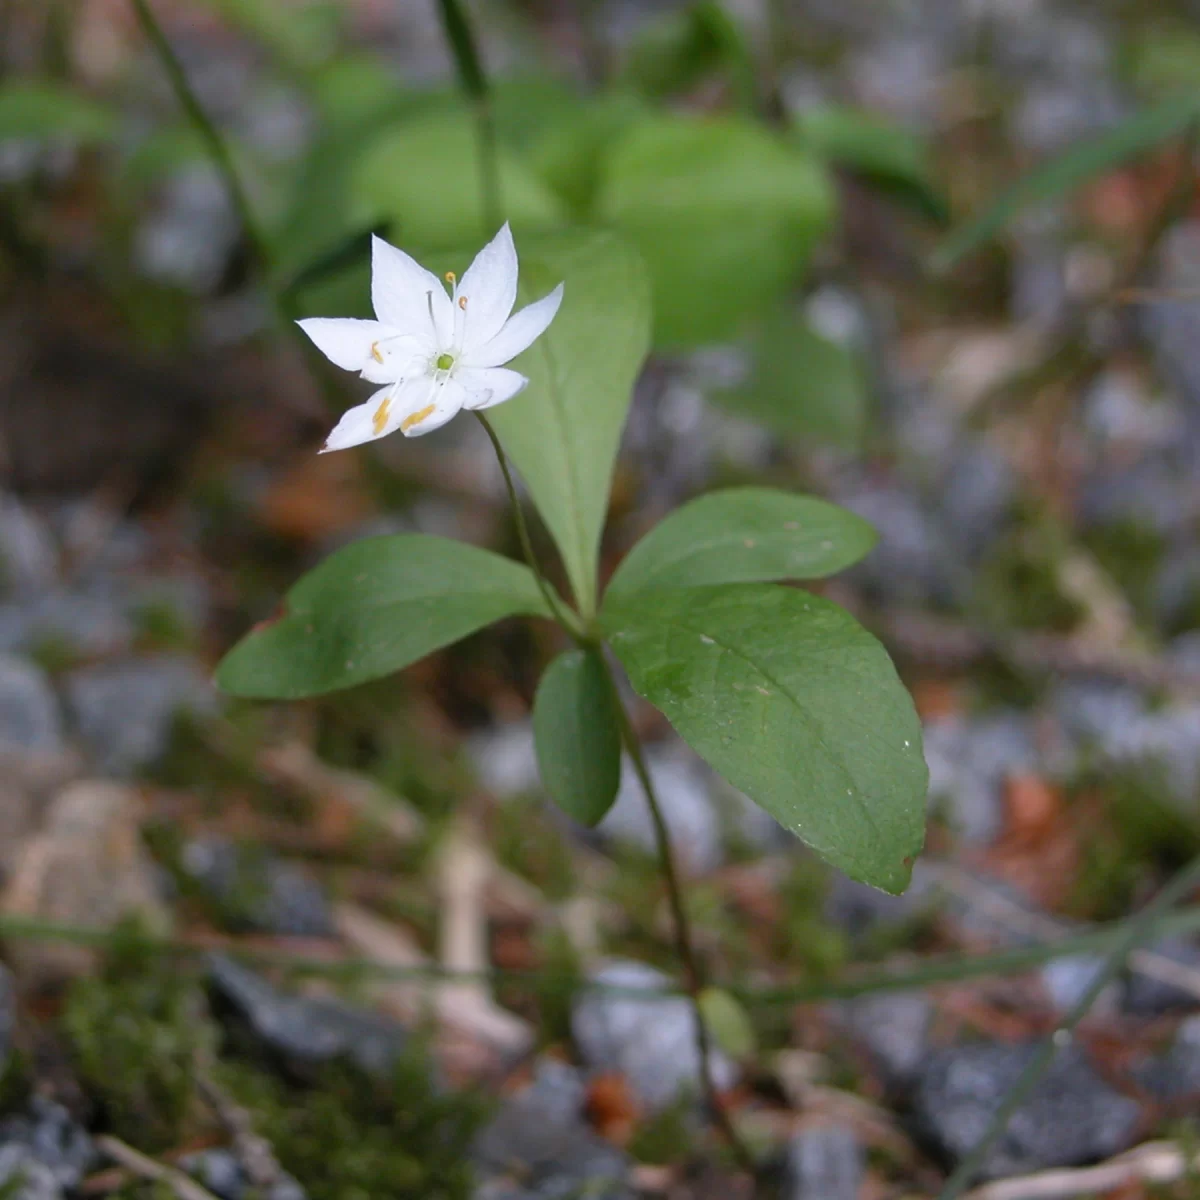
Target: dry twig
145 1167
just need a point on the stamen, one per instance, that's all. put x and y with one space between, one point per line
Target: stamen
451 277
375 352
416 418
462 303
381 415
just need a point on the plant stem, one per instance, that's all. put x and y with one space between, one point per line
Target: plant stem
217 149
684 943
1137 930
474 82
565 616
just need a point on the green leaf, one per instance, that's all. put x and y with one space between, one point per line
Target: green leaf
374 607
728 1022
1134 137
802 384
724 212
570 152
744 535
562 432
885 154
796 705
577 734
299 35
48 110
424 178
681 49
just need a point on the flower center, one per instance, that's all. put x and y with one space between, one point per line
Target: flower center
445 362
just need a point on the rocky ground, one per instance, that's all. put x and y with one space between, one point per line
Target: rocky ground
345 948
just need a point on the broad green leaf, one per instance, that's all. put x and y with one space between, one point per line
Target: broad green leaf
1134 137
374 607
577 735
1164 58
562 432
724 212
30 109
891 157
299 35
424 177
728 1022
570 152
744 535
681 49
796 705
802 384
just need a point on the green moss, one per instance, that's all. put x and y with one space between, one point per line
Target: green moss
55 654
159 625
1130 554
1140 834
1017 586
136 1032
668 1136
352 1138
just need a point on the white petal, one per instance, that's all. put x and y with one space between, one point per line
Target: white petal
486 294
487 386
345 342
520 331
424 405
362 423
408 297
396 358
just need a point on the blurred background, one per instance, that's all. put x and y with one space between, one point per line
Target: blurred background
936 260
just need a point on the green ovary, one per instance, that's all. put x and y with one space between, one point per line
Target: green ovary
445 362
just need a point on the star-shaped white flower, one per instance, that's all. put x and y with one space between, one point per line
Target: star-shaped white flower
436 353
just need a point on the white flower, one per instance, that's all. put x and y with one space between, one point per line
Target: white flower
436 353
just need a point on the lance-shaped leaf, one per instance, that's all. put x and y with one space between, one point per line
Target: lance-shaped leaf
562 432
794 703
577 735
743 535
374 607
1133 137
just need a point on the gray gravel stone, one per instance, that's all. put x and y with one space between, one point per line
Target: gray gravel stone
1175 1076
539 1138
825 1162
1072 1117
24 1177
29 714
222 1174
1067 980
125 710
894 1027
54 1139
969 761
1147 997
269 896
28 555
304 1032
90 624
650 1039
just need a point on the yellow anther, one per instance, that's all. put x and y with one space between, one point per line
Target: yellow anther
416 418
381 415
462 302
451 277
375 352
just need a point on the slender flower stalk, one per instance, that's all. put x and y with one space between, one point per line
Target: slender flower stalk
684 943
217 149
